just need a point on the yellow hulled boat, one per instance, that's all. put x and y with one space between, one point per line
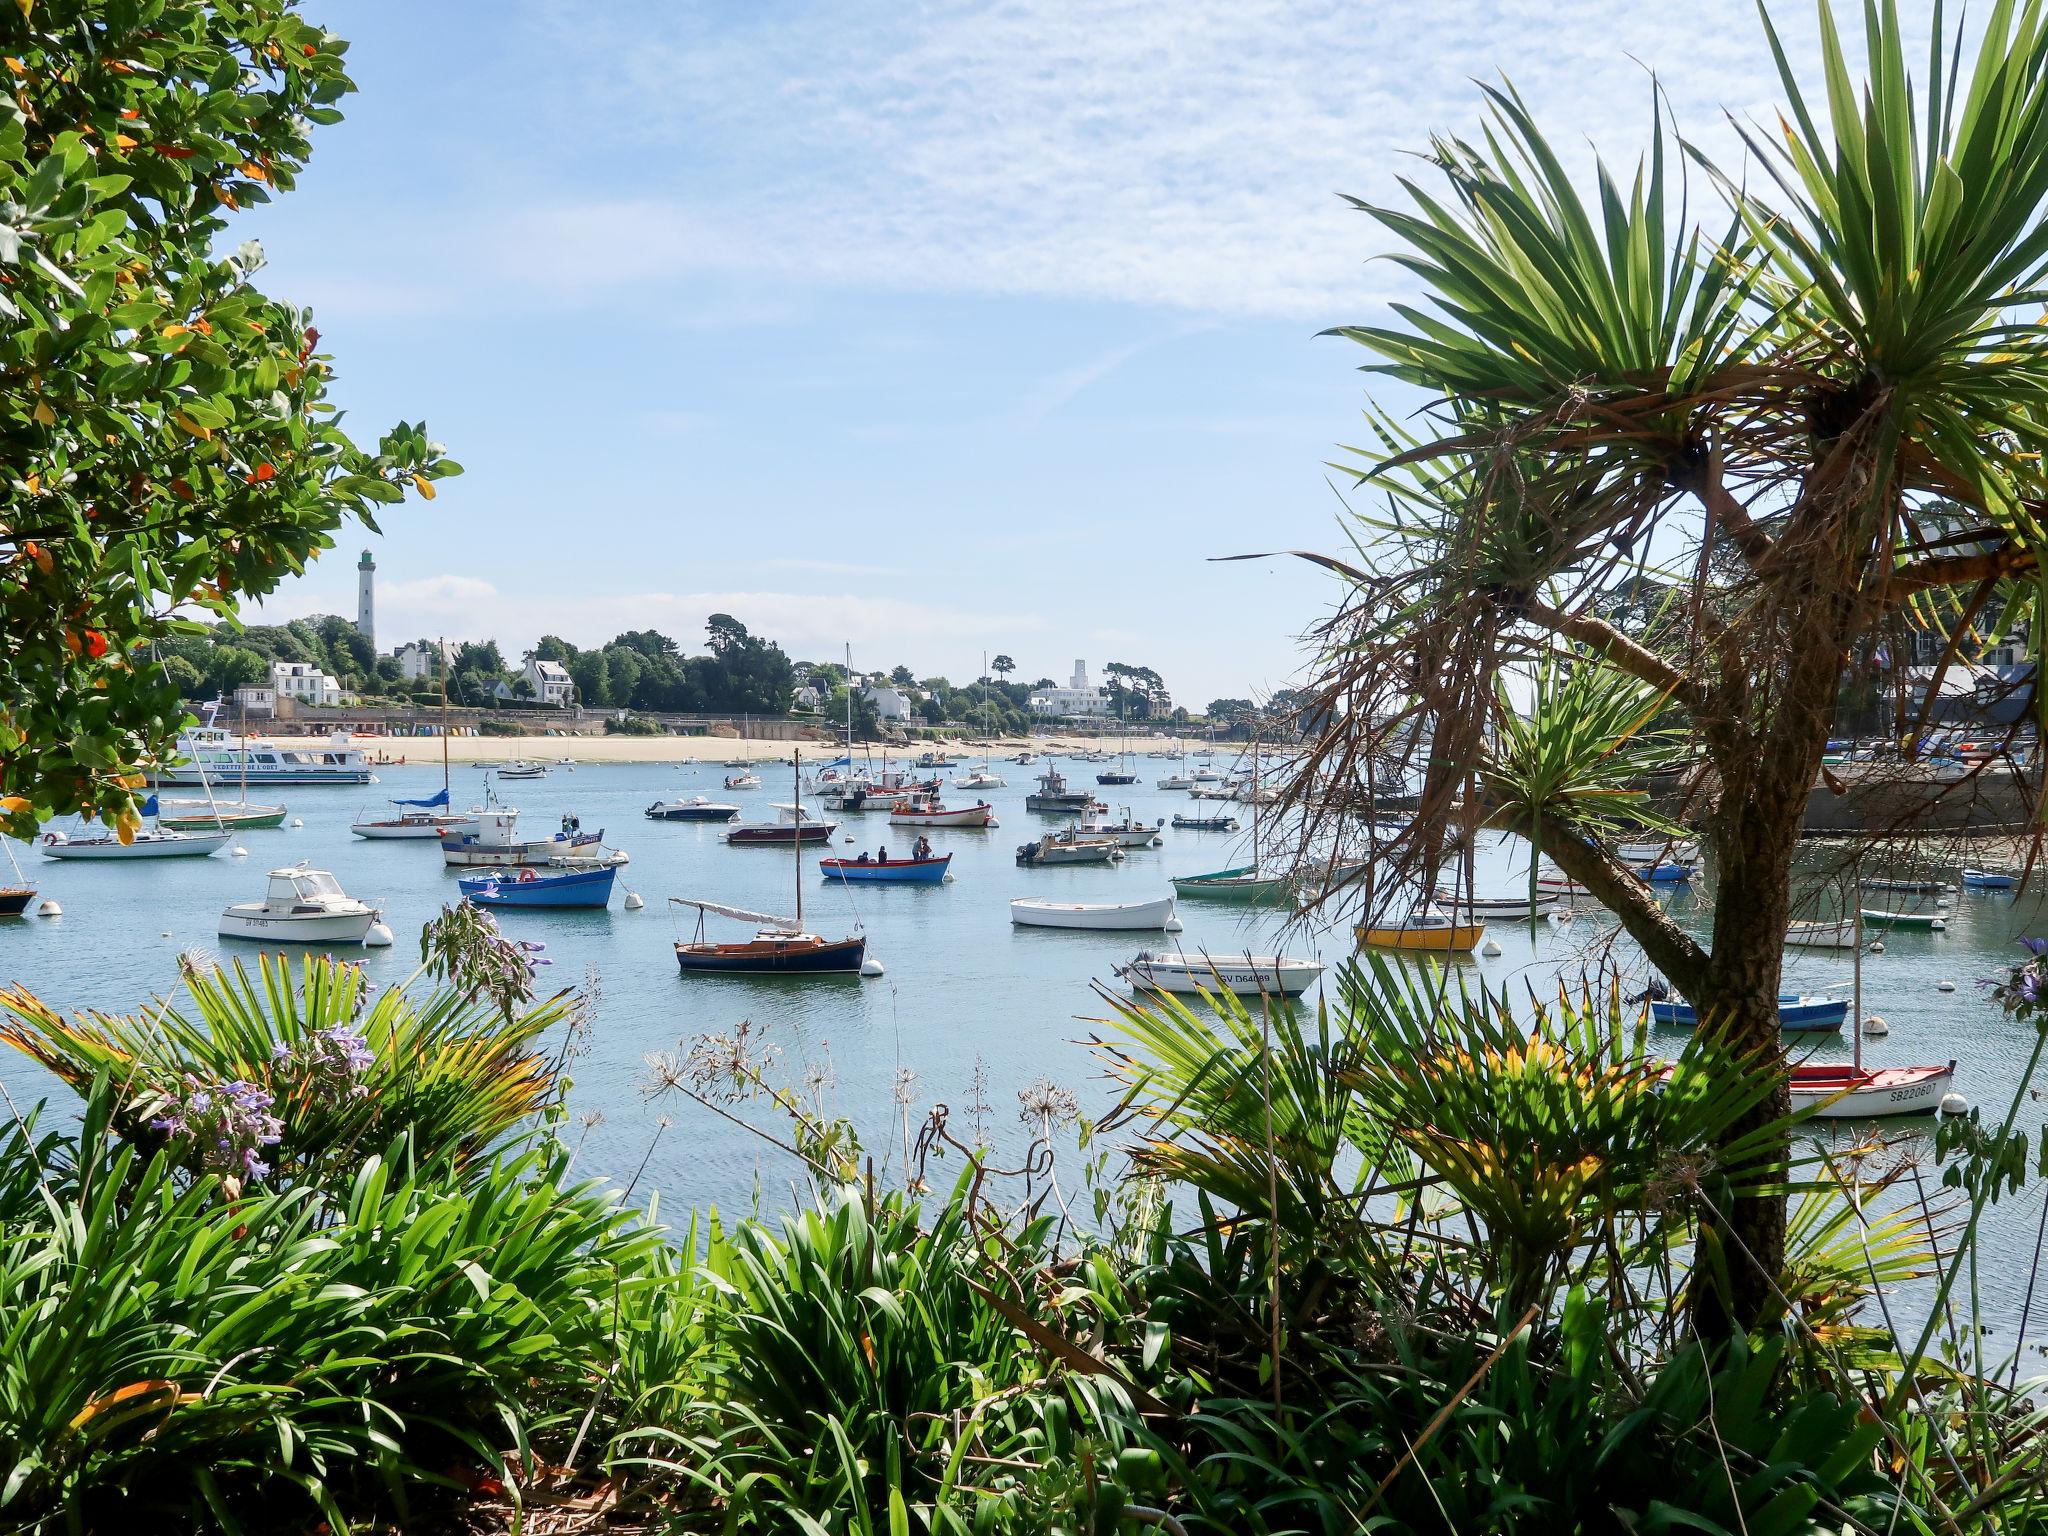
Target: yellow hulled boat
1430 932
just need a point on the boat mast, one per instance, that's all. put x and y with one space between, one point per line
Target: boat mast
849 709
1856 1016
796 829
448 808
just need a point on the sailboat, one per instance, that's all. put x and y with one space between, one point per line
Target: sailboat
1121 774
983 777
780 946
209 815
14 899
421 819
1836 1092
156 843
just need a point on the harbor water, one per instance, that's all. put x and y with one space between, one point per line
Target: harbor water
976 1009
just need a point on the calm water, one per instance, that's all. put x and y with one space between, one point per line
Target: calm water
962 985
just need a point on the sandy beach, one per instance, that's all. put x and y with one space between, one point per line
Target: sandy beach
691 749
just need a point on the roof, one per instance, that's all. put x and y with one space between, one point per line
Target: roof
553 671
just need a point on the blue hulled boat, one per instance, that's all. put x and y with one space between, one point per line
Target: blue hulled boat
530 887
1988 880
887 872
1795 1013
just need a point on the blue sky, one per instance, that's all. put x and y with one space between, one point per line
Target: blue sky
935 327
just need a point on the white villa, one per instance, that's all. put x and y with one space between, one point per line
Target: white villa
304 683
1076 701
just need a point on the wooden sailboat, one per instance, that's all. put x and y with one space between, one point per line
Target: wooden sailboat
780 946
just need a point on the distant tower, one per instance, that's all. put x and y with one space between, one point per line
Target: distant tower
1080 668
366 598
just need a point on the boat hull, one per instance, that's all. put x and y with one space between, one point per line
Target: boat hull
1988 880
842 957
780 837
1820 1015
1505 909
1232 885
977 816
1875 918
895 872
1443 939
690 812
1822 935
233 818
14 899
1243 975
546 851
410 831
1205 824
1030 912
573 888
1838 1093
1077 801
176 845
327 928
1036 855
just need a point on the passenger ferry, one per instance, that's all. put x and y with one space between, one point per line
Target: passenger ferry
209 755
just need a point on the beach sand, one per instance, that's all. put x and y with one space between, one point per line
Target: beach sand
692 749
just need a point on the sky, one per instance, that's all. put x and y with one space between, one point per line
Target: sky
938 328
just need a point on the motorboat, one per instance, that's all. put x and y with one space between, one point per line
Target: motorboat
1797 1013
1066 848
1175 781
528 886
1204 823
1031 912
1125 833
208 755
520 769
211 816
743 781
792 827
416 820
1879 917
1431 932
1244 884
981 778
495 840
1845 1092
1989 880
696 808
302 906
1246 975
1667 873
871 871
1053 795
908 813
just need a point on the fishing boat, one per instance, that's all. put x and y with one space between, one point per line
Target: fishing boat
155 843
1204 823
1053 794
302 906
495 840
935 760
1066 848
869 871
1825 933
207 816
780 946
1845 1092
1988 880
1498 908
1433 932
1031 912
528 886
1244 883
696 808
743 781
792 827
519 768
1797 1013
1879 917
1125 832
210 755
1246 975
1904 887
910 813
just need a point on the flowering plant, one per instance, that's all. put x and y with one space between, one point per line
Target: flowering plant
226 1125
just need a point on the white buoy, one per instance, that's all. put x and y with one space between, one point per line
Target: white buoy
238 852
1490 947
1944 986
379 937
298 822
948 878
871 967
1937 926
633 902
1877 948
1173 925
49 909
1875 1025
1954 1104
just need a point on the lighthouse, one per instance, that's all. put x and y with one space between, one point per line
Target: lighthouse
366 598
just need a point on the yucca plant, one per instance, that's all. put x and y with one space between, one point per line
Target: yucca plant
345 1068
1804 413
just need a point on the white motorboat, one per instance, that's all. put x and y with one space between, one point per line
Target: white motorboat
495 840
1030 912
981 778
519 768
302 906
1677 851
210 755
696 808
1247 975
743 781
1125 832
1065 848
908 813
1176 781
1204 774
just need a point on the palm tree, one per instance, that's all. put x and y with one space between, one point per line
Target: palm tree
1806 419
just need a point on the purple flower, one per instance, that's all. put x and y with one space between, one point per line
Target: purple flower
2036 947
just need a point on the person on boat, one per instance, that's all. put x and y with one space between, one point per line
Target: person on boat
865 857
882 855
923 850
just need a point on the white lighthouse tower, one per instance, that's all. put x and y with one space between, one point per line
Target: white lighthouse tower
366 598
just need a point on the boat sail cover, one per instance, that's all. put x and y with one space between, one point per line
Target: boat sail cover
741 914
149 807
438 798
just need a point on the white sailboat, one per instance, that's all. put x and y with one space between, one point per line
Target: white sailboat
154 843
984 777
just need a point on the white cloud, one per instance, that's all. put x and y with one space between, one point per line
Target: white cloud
1185 153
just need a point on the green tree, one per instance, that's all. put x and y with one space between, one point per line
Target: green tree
646 642
902 677
552 648
480 657
592 674
164 422
1002 666
1780 400
232 667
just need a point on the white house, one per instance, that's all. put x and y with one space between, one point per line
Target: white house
261 702
549 683
304 683
1076 701
890 703
415 661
